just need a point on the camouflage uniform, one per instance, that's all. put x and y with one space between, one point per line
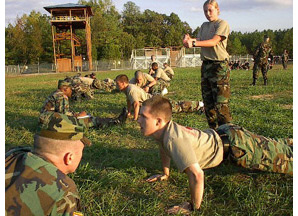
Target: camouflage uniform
79 88
58 102
262 52
33 184
187 106
284 59
107 85
257 152
215 84
31 179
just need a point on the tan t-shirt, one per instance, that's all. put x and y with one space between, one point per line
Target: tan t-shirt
207 32
169 70
134 93
87 80
147 78
160 74
187 146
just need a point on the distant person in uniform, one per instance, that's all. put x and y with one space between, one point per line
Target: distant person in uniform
284 59
168 70
144 81
215 71
261 55
58 102
193 150
36 181
153 60
135 96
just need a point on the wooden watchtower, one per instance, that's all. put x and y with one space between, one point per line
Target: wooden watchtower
65 20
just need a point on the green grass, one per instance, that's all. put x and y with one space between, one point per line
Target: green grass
111 175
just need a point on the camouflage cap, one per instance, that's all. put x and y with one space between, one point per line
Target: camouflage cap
63 83
63 127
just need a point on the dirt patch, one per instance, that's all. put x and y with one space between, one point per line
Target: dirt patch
267 96
287 106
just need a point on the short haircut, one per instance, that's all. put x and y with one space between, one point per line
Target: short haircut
122 78
138 73
159 107
154 64
44 145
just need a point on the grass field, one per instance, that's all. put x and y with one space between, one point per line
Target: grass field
111 175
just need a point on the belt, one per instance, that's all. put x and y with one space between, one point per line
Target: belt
213 61
226 144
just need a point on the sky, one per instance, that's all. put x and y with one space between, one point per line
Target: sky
242 15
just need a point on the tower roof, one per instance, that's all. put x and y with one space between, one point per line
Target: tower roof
69 6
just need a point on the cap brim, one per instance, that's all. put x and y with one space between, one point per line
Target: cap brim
86 141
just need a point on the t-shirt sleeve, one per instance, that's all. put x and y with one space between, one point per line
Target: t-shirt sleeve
158 73
149 77
223 29
132 97
182 153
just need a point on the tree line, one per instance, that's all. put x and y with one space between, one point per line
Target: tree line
114 35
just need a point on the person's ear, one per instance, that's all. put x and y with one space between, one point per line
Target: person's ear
158 122
68 158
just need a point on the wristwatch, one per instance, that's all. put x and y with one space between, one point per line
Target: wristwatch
194 43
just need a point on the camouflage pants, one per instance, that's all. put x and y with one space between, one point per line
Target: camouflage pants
185 106
159 86
258 152
92 122
105 85
284 64
264 68
215 85
45 117
82 90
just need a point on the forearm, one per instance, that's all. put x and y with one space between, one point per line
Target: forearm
136 110
166 161
206 43
128 106
196 184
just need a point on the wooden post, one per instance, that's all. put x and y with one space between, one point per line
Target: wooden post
55 59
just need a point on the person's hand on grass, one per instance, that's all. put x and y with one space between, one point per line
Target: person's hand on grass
157 177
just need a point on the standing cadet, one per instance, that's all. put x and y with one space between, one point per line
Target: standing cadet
135 96
36 181
58 101
215 71
194 150
168 70
284 59
261 55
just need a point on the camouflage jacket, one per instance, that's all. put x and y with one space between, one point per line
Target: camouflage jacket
262 52
57 102
34 186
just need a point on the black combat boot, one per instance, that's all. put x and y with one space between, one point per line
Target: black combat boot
253 82
265 82
123 116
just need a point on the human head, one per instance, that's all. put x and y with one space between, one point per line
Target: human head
153 57
266 38
165 64
92 75
154 66
211 10
121 82
61 141
65 87
138 76
155 113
